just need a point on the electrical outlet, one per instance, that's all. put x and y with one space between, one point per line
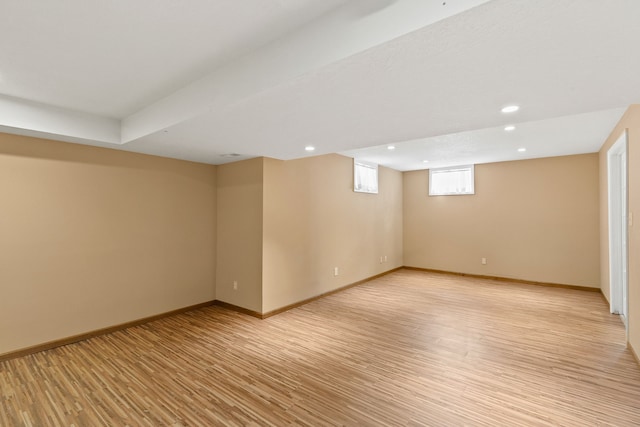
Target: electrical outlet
385 258
381 260
483 261
235 285
335 271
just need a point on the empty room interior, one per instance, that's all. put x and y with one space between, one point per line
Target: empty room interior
319 212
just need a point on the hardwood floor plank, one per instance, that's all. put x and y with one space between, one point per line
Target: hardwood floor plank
409 348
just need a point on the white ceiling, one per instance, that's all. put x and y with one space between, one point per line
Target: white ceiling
115 57
200 79
559 136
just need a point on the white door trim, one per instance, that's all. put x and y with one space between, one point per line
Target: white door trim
618 256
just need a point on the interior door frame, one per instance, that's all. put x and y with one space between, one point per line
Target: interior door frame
618 227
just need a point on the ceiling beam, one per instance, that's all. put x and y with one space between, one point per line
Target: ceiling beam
353 28
36 119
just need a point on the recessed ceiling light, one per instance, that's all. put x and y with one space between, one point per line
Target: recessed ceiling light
509 128
425 161
510 109
310 148
522 150
391 147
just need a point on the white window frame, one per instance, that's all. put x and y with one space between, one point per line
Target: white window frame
469 190
363 169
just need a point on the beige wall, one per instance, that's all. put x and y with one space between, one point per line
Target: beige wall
314 221
91 238
239 225
532 219
630 121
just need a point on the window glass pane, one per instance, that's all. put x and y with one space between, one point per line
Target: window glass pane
365 177
451 181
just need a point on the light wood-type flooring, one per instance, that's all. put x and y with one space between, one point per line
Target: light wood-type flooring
410 348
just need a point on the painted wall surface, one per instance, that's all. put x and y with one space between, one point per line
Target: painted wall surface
630 121
314 222
532 219
239 225
92 238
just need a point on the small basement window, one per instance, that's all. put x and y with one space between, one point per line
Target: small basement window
457 180
365 177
